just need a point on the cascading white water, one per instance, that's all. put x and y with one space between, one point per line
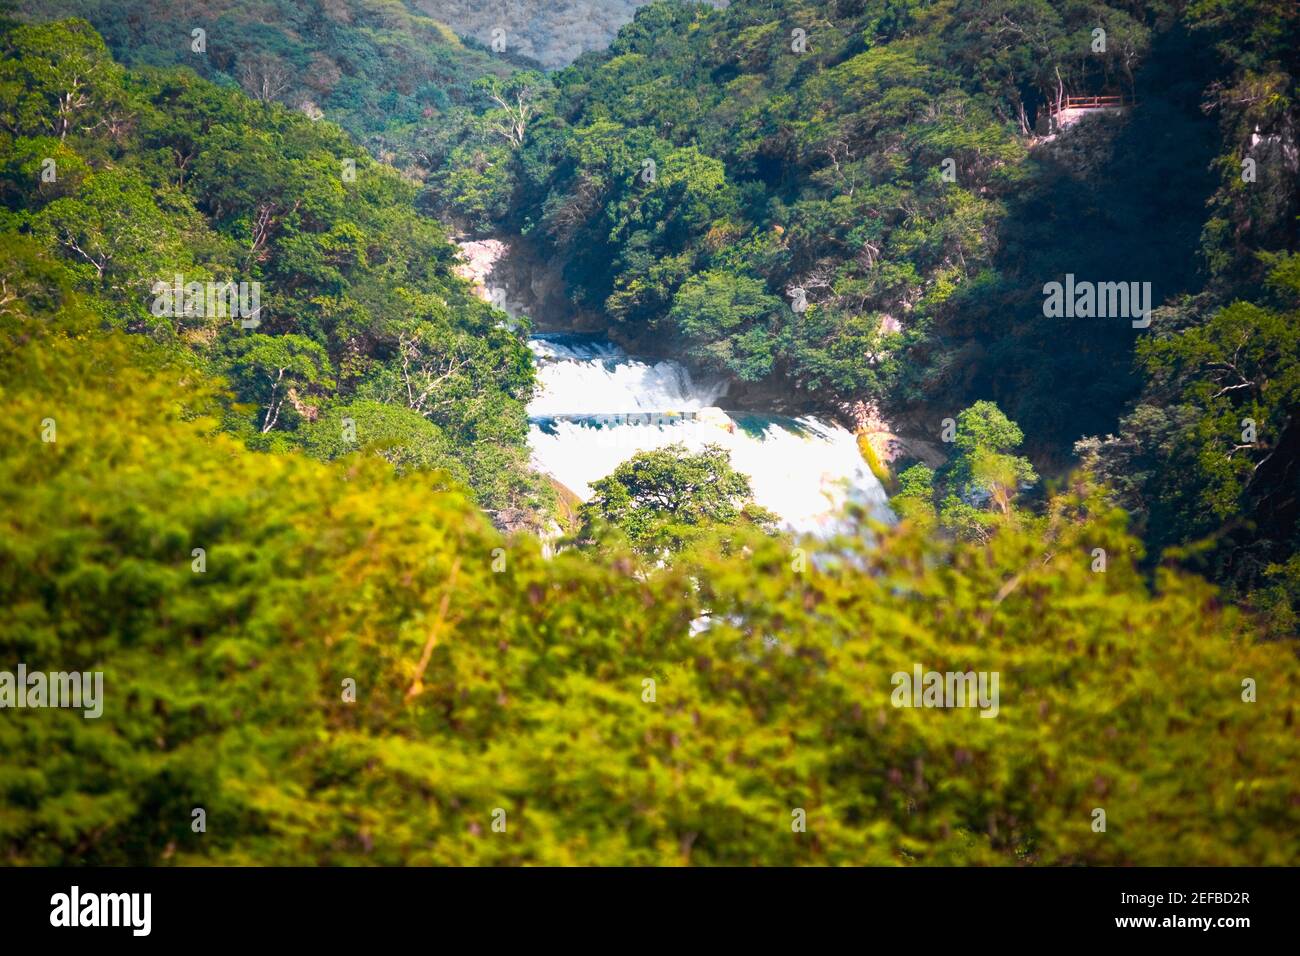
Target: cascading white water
597 407
581 376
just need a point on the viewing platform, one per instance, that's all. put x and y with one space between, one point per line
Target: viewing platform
1070 109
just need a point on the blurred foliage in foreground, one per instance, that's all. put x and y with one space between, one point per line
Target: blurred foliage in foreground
493 679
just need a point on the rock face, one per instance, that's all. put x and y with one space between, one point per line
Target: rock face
890 446
552 32
1069 117
480 259
512 276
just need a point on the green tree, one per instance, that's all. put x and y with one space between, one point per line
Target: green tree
1215 440
664 499
983 467
54 77
402 437
122 238
730 321
277 372
915 495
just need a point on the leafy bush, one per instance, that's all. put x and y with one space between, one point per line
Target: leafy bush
490 679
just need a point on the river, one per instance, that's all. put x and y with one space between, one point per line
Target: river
597 406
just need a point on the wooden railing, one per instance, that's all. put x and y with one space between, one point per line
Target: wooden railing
1092 103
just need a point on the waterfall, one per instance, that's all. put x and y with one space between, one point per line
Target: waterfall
597 406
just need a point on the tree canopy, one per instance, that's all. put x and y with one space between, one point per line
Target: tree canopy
270 532
343 666
664 499
162 179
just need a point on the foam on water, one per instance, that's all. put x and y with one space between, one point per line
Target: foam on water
801 469
581 376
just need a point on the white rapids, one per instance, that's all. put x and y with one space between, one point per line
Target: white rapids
596 407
